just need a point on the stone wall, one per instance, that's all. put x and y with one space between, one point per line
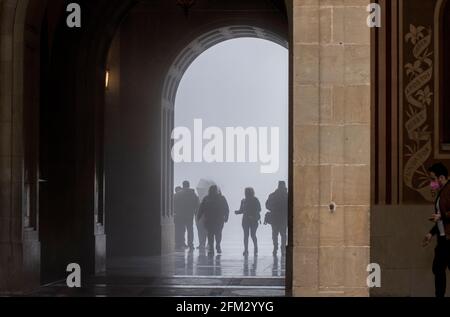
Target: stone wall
331 147
396 241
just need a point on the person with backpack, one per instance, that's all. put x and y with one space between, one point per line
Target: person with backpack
277 204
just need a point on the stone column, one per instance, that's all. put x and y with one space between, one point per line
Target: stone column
11 245
331 147
5 140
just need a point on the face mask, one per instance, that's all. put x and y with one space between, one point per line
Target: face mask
435 185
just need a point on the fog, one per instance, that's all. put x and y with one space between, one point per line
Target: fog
237 83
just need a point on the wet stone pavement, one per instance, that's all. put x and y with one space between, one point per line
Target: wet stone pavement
190 274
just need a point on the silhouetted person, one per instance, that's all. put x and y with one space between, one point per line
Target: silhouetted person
250 209
214 209
277 204
186 204
439 183
202 190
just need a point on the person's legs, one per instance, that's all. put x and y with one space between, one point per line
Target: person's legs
283 234
190 233
183 234
439 268
275 238
202 234
219 239
179 240
254 228
246 228
210 240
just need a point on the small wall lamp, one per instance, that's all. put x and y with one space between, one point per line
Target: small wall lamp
107 79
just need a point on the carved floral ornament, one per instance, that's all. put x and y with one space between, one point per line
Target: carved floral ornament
418 94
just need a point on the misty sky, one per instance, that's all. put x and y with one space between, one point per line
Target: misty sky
237 83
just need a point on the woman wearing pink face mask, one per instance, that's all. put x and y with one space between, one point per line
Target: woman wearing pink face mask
441 218
435 186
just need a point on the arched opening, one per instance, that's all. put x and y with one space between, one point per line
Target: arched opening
239 83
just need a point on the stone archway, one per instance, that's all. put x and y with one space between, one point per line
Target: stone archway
171 83
205 31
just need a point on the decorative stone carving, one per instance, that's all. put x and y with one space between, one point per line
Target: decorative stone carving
418 94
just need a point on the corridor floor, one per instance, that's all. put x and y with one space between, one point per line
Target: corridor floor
183 274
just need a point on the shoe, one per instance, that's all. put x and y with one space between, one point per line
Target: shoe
245 253
219 250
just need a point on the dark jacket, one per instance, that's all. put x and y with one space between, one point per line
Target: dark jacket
250 209
185 204
277 204
215 210
444 207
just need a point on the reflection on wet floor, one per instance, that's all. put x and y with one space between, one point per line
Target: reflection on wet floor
226 264
183 274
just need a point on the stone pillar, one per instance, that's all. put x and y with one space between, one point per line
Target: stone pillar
6 217
18 248
331 43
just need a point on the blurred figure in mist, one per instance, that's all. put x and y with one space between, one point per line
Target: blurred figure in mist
186 204
202 191
214 208
250 209
277 204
